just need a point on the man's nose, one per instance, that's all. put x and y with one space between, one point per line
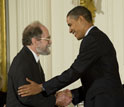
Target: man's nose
70 30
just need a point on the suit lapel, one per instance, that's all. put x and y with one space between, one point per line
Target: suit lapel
37 69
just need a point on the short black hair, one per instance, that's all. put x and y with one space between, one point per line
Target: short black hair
80 11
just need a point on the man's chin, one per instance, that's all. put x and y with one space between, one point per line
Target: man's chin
79 38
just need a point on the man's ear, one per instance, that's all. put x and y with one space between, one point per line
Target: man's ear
33 40
81 18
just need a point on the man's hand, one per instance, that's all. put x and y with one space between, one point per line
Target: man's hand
63 98
30 89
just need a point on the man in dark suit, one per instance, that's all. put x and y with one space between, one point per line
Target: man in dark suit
96 66
36 41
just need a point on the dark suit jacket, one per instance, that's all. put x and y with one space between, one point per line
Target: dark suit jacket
97 67
24 65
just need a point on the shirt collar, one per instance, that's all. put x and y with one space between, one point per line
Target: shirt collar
89 30
37 58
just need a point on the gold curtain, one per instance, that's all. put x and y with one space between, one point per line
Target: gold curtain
3 63
90 5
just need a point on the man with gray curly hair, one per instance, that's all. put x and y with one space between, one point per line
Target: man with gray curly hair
36 41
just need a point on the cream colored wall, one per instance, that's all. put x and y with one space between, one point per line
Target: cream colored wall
65 47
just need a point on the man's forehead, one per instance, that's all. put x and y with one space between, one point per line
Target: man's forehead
46 35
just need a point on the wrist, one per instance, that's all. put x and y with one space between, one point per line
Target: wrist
40 87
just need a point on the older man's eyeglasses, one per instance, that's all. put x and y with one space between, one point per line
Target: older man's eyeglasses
48 39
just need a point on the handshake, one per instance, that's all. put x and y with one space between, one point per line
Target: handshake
63 98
